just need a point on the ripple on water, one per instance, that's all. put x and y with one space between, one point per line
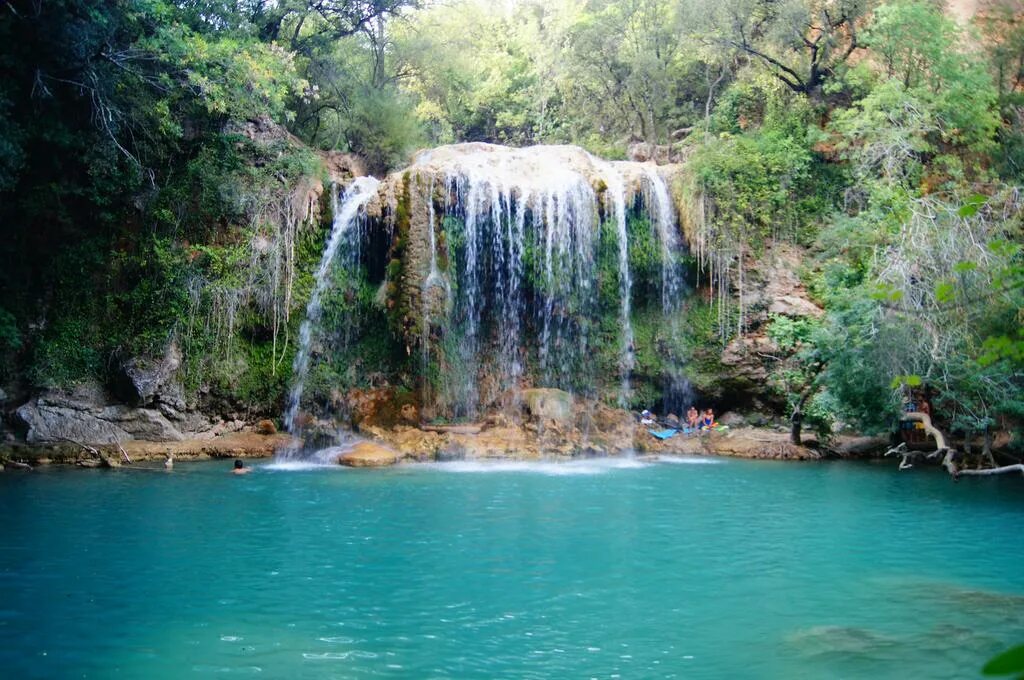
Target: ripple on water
339 656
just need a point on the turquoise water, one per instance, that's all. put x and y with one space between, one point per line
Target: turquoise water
716 569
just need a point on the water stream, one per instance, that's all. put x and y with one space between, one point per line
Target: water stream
347 211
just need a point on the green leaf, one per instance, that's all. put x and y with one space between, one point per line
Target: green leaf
945 291
1010 661
972 206
908 380
964 267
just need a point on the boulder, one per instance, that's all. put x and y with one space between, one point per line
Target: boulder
545 403
266 427
732 419
368 454
146 379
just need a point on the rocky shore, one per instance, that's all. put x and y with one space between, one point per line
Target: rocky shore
234 445
545 424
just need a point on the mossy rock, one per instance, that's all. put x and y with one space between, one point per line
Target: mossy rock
548 403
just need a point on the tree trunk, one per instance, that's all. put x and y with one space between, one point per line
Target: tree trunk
986 449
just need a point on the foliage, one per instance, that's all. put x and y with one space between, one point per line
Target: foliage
152 158
1010 662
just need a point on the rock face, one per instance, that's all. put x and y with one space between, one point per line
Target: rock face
147 380
548 404
495 257
737 443
87 415
743 372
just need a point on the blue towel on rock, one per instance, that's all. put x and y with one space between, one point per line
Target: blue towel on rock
664 434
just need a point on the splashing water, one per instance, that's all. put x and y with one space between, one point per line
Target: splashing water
350 210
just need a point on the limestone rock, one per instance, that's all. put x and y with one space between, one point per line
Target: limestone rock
410 414
549 404
145 378
86 415
774 287
732 419
344 167
745 356
415 444
368 454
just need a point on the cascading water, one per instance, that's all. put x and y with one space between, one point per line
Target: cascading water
617 195
677 393
347 212
514 268
523 236
506 217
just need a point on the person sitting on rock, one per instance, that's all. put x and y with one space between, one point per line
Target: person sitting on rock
240 468
692 418
708 420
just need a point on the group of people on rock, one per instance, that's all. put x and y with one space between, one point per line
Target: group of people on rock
700 420
694 421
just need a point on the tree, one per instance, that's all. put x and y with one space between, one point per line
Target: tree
802 43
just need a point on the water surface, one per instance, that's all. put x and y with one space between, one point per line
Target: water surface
597 569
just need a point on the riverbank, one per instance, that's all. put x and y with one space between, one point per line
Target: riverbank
234 445
495 439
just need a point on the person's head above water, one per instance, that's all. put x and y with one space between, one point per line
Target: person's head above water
239 464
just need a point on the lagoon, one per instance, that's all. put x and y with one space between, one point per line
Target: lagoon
695 568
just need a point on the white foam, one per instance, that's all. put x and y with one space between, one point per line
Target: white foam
594 466
317 460
300 466
689 460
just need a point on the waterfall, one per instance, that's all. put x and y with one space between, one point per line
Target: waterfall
505 216
663 220
520 269
346 214
617 193
677 393
522 231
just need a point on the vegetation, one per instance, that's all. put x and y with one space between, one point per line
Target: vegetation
153 153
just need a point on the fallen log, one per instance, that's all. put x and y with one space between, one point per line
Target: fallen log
453 429
949 455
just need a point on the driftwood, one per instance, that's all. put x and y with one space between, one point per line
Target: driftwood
453 429
949 455
17 465
88 448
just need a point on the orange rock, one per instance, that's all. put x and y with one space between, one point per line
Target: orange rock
368 454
